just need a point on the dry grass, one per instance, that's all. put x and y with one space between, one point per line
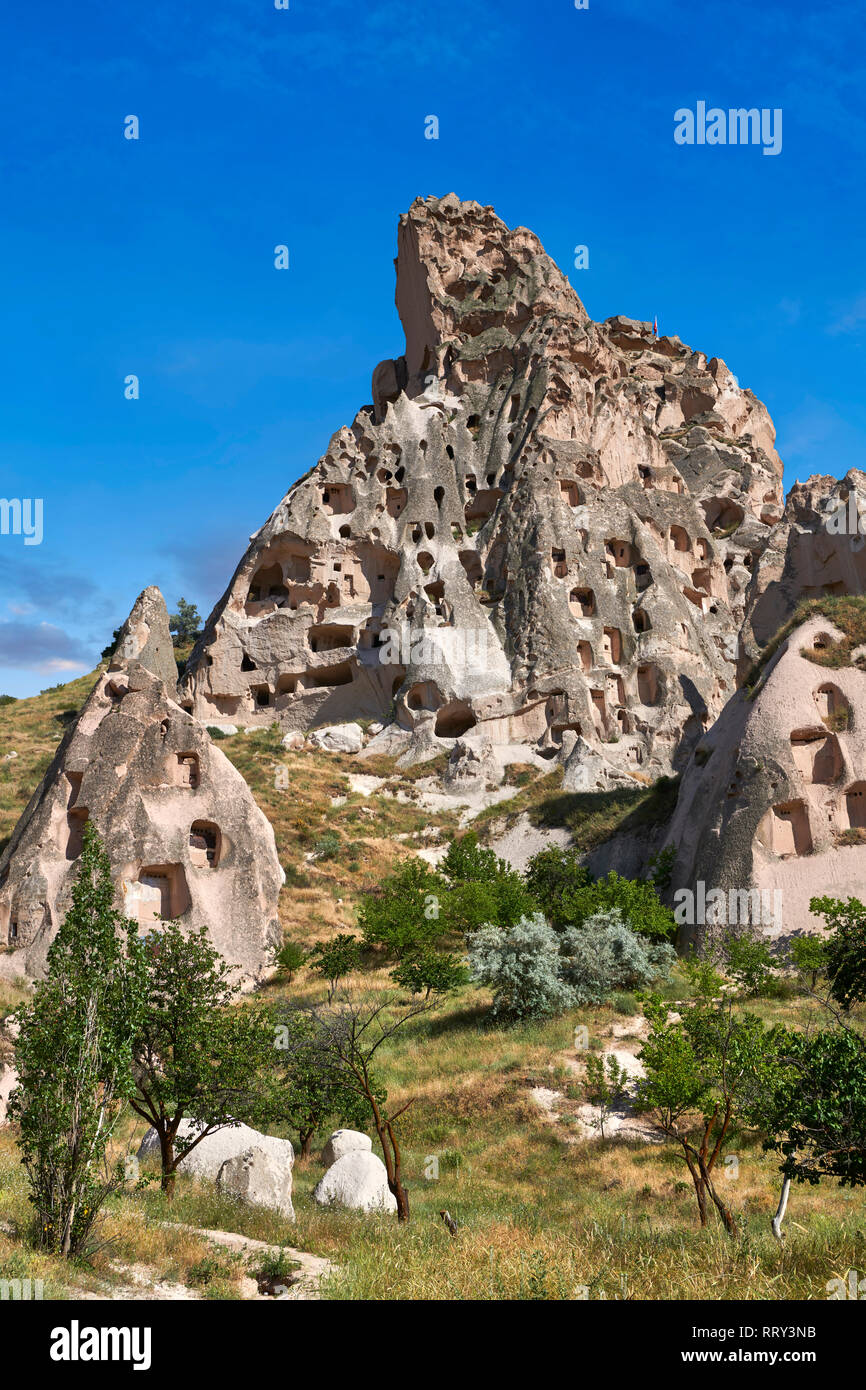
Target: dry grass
539 1217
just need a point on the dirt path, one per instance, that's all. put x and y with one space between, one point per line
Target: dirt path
312 1268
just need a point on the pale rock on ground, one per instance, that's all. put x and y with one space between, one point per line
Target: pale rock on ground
208 1157
582 1120
344 1141
8 1082
358 1181
181 828
338 738
259 1177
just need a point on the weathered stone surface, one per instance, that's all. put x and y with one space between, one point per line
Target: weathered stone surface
208 1156
339 738
541 524
183 833
344 1141
146 637
774 800
260 1178
359 1181
818 548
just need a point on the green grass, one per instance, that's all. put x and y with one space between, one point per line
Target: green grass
846 612
590 817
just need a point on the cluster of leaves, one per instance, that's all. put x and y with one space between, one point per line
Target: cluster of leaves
535 971
566 893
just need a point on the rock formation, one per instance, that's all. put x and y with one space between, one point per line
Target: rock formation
817 549
772 808
344 1141
259 1178
357 1180
184 836
210 1155
540 524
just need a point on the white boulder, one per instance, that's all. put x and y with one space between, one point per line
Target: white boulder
259 1177
338 738
358 1181
344 1141
208 1157
8 1082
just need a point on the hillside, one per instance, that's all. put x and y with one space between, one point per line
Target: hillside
539 1214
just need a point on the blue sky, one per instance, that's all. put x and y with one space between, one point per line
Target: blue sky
306 127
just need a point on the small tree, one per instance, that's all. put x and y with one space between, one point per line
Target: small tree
705 1074
636 899
809 956
108 652
194 1055
74 1058
815 1115
405 916
480 888
606 1085
750 963
361 1026
289 960
846 948
185 623
433 972
334 960
307 1089
552 877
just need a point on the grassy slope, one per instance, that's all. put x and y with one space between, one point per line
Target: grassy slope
539 1217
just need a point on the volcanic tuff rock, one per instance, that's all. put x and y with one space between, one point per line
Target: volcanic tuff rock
146 637
775 796
184 836
818 548
541 524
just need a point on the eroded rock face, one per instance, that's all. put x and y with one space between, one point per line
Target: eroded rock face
541 524
774 800
146 637
817 549
183 833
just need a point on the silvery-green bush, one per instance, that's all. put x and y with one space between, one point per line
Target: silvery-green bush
604 955
522 965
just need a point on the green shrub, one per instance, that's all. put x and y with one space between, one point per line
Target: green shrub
521 964
605 955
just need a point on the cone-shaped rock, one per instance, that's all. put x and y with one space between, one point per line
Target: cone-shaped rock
772 808
183 833
145 637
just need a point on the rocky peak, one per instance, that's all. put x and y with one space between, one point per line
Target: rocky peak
146 637
542 524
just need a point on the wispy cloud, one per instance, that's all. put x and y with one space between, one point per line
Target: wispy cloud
41 647
851 319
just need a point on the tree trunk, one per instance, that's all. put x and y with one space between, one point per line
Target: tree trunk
776 1222
166 1150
